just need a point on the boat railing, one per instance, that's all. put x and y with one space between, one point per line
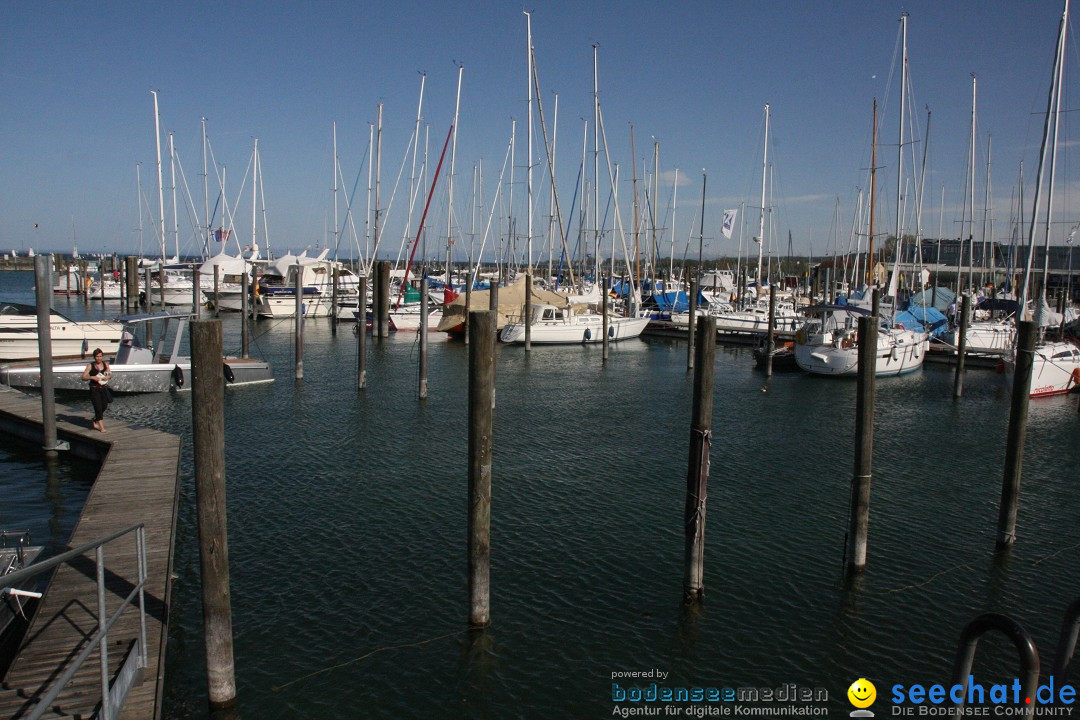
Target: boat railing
112 699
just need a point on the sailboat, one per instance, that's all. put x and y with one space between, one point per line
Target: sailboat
828 344
1055 363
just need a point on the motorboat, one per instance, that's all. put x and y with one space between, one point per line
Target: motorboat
566 325
16 553
70 338
828 343
142 367
276 290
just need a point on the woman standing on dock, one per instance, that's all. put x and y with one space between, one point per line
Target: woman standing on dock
97 373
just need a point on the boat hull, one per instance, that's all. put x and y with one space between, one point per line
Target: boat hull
141 378
1055 369
896 354
580 329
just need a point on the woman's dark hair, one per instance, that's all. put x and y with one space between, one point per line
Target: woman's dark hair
97 351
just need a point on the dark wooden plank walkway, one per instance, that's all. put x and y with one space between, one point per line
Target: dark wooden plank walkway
138 483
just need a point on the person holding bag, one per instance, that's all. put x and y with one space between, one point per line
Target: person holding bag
97 374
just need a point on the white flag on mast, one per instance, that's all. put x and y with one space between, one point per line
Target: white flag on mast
729 222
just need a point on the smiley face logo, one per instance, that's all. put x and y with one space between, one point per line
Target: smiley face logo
862 693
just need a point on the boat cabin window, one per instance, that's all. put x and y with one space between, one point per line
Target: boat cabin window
549 314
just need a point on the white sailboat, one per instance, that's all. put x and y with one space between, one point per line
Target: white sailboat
70 338
1055 363
553 325
828 344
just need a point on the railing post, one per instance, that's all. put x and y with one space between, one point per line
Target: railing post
103 642
140 544
43 292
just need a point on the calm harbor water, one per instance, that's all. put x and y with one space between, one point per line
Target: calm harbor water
347 518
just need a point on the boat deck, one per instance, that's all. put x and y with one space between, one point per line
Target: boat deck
138 482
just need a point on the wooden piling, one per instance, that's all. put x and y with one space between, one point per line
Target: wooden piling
493 296
245 341
1017 434
691 300
481 417
697 474
855 550
43 294
208 436
604 313
196 294
217 291
961 346
334 303
528 309
468 301
424 337
149 298
161 284
299 324
770 340
384 299
361 335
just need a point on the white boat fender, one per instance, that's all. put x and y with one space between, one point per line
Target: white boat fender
177 377
229 377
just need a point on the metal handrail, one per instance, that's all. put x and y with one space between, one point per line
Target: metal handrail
100 638
1025 647
1070 629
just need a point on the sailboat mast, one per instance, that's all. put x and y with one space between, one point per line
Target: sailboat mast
701 225
1050 121
450 180
761 217
873 182
596 161
674 207
206 195
255 197
161 189
900 146
971 191
138 193
637 237
175 218
528 159
334 189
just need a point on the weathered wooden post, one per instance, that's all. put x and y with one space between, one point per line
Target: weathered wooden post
1017 434
149 298
961 346
855 547
43 294
493 296
604 312
481 416
770 341
384 298
101 281
208 436
697 473
468 301
361 335
691 301
217 291
424 337
196 294
334 303
528 309
161 283
299 325
245 341
84 281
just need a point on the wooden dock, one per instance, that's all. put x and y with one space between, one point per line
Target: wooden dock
138 483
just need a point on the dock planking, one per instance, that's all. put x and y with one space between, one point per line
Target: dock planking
138 482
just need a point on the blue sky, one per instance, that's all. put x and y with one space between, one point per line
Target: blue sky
692 76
